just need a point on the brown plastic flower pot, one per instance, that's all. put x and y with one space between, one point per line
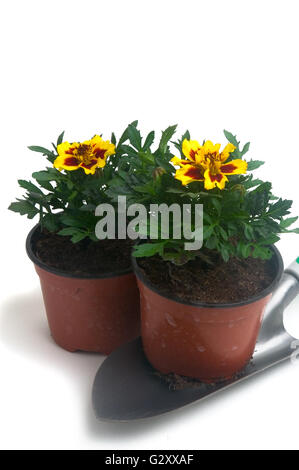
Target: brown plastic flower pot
96 313
209 342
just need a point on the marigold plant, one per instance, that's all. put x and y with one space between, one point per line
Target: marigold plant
241 216
65 194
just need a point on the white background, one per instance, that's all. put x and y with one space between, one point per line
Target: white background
91 67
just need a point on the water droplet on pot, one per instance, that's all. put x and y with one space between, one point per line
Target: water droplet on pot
170 320
200 348
230 325
234 348
163 345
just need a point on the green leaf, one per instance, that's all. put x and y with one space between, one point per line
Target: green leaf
245 149
78 237
287 222
217 204
73 222
254 164
43 150
148 249
29 186
248 232
211 242
134 137
280 208
44 176
24 208
51 222
270 240
262 252
68 231
124 135
113 138
148 141
60 138
129 150
244 249
165 138
224 253
231 138
251 183
207 231
223 233
185 136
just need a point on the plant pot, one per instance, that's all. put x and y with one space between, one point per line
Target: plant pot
209 342
96 313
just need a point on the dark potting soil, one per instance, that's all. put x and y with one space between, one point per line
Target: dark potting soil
85 257
219 282
181 382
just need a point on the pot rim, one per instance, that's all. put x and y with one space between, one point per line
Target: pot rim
268 290
32 256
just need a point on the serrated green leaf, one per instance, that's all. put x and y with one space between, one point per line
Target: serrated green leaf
231 138
29 186
207 232
254 164
287 222
217 204
24 207
245 250
245 149
224 253
134 137
113 138
223 233
280 208
165 138
148 141
78 237
45 176
248 232
68 231
60 138
148 249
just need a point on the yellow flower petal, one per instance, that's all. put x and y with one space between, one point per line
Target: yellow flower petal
213 180
190 148
228 149
65 148
66 162
178 161
189 173
209 147
91 167
235 167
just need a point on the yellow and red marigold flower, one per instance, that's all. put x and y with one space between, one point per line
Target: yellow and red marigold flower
205 163
89 155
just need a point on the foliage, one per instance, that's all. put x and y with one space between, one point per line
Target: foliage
65 201
242 220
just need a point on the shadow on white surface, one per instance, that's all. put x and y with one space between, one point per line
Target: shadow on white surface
24 330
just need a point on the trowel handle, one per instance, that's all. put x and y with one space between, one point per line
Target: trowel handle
288 287
293 269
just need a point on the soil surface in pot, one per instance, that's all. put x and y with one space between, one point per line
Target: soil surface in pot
85 257
199 281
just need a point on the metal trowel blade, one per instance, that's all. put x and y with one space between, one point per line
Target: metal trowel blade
127 388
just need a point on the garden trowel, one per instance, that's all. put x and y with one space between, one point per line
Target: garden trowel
127 388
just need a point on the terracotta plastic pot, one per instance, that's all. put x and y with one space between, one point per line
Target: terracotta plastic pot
209 342
96 313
